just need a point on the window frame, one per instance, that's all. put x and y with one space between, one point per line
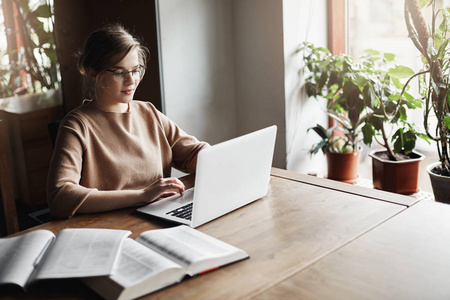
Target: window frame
337 26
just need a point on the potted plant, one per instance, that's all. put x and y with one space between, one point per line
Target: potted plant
341 142
434 85
32 66
342 158
367 98
396 167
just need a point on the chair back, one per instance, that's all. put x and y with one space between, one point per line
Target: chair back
53 128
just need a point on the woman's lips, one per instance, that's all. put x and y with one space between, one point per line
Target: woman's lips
128 92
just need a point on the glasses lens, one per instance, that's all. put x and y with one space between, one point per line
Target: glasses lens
121 74
140 73
136 74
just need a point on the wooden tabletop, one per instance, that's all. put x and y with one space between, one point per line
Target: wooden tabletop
405 258
349 188
297 225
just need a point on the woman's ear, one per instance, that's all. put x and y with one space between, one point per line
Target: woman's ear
91 73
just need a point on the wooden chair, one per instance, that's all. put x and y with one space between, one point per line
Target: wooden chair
6 184
53 128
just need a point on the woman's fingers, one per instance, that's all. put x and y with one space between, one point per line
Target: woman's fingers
170 185
168 194
176 184
163 187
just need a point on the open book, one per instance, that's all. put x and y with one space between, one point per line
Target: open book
162 257
72 253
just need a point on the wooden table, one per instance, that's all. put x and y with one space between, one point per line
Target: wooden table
405 258
308 237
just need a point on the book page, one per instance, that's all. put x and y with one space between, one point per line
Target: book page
19 254
81 252
137 263
185 245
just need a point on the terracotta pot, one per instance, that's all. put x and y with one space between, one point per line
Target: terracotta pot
401 177
343 166
440 184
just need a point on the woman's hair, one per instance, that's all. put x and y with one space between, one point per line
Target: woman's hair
106 47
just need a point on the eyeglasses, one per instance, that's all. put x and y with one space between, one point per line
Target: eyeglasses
120 74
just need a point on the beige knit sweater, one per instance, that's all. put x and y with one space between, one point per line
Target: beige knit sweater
106 151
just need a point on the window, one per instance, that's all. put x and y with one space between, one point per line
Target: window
28 60
380 25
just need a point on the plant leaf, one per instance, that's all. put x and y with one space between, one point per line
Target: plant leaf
389 57
368 132
400 72
446 121
43 11
423 3
320 130
372 52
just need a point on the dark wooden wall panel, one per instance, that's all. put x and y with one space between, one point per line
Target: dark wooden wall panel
75 19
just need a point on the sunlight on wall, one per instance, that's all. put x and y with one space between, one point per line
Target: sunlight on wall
303 21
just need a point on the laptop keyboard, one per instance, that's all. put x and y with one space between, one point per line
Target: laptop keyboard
184 212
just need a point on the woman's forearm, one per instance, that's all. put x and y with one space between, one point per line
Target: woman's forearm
100 201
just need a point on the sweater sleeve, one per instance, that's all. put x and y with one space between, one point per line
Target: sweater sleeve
185 147
64 193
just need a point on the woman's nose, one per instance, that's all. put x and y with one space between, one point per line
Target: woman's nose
129 78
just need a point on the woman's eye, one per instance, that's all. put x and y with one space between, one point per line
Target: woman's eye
119 73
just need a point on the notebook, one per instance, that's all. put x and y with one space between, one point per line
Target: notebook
229 175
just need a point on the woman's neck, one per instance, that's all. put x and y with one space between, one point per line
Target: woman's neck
117 108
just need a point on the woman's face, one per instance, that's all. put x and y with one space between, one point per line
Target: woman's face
119 82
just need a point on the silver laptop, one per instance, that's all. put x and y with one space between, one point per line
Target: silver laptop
229 175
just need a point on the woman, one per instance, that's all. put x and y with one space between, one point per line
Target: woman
112 151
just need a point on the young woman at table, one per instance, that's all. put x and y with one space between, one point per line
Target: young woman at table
114 152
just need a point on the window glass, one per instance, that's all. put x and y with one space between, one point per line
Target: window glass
3 42
16 74
380 25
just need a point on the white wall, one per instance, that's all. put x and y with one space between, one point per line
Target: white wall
259 69
198 67
229 68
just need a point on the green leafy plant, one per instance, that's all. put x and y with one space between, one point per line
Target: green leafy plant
36 67
365 98
434 85
330 142
9 79
325 79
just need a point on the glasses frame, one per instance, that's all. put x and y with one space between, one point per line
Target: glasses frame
126 72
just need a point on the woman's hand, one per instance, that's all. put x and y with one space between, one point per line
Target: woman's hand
163 187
